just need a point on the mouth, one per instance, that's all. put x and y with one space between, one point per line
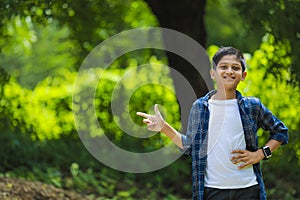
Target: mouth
228 77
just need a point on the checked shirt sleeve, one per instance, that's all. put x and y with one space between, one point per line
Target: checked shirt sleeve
269 122
193 125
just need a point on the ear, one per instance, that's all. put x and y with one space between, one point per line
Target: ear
244 76
212 73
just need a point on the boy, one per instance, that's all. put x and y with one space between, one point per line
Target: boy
222 135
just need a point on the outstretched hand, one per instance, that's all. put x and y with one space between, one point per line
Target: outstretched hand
154 122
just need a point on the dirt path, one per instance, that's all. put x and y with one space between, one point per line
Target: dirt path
15 189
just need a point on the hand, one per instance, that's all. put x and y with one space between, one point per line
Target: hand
246 157
154 122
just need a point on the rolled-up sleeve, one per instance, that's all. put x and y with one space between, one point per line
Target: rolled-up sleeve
269 122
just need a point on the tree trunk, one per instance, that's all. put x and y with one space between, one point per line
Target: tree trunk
186 17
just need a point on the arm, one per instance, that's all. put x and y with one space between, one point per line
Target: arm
278 136
157 123
273 144
174 135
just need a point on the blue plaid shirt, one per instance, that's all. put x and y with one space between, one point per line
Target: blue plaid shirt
254 115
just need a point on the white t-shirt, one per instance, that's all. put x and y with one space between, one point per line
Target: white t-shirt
225 133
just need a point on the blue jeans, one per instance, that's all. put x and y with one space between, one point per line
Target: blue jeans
249 193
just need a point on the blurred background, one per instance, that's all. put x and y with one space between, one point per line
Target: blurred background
43 44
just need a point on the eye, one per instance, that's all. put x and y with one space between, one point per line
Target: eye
236 68
223 67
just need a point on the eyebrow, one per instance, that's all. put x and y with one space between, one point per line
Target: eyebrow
233 63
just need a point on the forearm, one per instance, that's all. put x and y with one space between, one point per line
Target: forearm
273 144
171 133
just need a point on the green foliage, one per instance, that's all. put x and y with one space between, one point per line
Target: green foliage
91 22
279 18
130 89
225 27
31 47
40 62
45 112
88 181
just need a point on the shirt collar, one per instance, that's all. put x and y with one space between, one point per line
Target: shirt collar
211 93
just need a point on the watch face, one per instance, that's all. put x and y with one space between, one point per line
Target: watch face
267 151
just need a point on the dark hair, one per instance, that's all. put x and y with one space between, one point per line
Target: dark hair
223 51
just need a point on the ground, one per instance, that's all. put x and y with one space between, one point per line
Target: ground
15 189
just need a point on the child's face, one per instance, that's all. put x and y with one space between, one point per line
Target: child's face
228 73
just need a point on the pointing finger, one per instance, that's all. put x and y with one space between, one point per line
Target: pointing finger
143 114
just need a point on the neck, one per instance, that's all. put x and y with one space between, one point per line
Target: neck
224 95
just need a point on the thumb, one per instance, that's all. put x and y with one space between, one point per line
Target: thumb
157 113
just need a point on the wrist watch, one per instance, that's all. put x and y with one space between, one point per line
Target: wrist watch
267 152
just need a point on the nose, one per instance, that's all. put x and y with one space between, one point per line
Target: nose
229 70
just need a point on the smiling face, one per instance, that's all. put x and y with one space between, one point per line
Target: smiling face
228 73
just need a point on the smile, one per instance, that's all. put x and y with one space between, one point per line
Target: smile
229 77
